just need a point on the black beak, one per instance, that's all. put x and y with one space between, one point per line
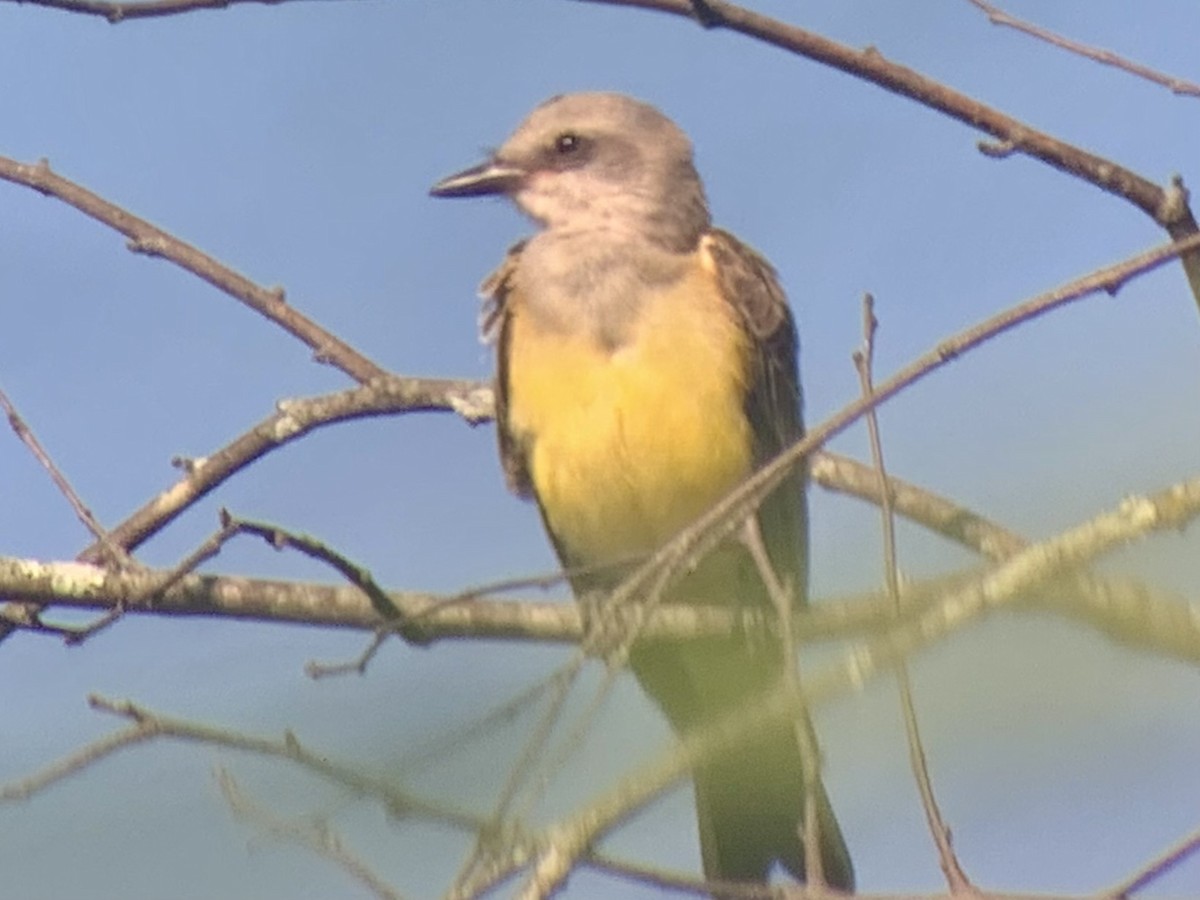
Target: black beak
491 177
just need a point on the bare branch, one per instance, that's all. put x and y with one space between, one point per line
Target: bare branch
864 361
292 420
357 575
490 846
1126 610
74 763
1157 867
86 586
399 803
153 241
317 836
998 16
20 427
1168 207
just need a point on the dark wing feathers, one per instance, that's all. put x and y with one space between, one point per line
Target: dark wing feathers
773 397
494 323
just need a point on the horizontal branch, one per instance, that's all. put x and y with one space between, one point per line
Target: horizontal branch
1133 615
435 617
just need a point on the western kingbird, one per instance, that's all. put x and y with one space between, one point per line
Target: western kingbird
646 364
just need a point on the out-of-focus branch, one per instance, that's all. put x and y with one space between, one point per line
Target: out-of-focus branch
1168 207
1125 609
72 764
317 835
146 724
563 844
864 363
998 16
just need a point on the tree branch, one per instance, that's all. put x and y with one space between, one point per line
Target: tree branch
154 241
292 419
1168 207
999 17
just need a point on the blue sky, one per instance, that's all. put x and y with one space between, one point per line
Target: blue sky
297 143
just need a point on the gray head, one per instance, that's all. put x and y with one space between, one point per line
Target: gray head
596 161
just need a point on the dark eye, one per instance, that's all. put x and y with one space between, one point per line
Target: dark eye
567 143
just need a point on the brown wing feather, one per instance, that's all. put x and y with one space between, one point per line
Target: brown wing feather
494 324
748 818
773 398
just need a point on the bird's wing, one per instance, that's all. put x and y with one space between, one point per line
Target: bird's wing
773 398
494 326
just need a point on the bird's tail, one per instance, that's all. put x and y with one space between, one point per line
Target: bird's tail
750 807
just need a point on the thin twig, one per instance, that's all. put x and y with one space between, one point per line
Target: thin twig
20 427
317 836
74 763
357 666
154 241
573 740
437 748
1156 868
535 744
480 860
399 803
998 16
292 420
864 359
359 576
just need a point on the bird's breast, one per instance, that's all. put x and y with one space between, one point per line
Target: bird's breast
628 444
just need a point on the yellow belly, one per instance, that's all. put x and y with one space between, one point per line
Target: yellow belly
628 447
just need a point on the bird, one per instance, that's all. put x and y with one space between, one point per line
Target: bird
647 363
